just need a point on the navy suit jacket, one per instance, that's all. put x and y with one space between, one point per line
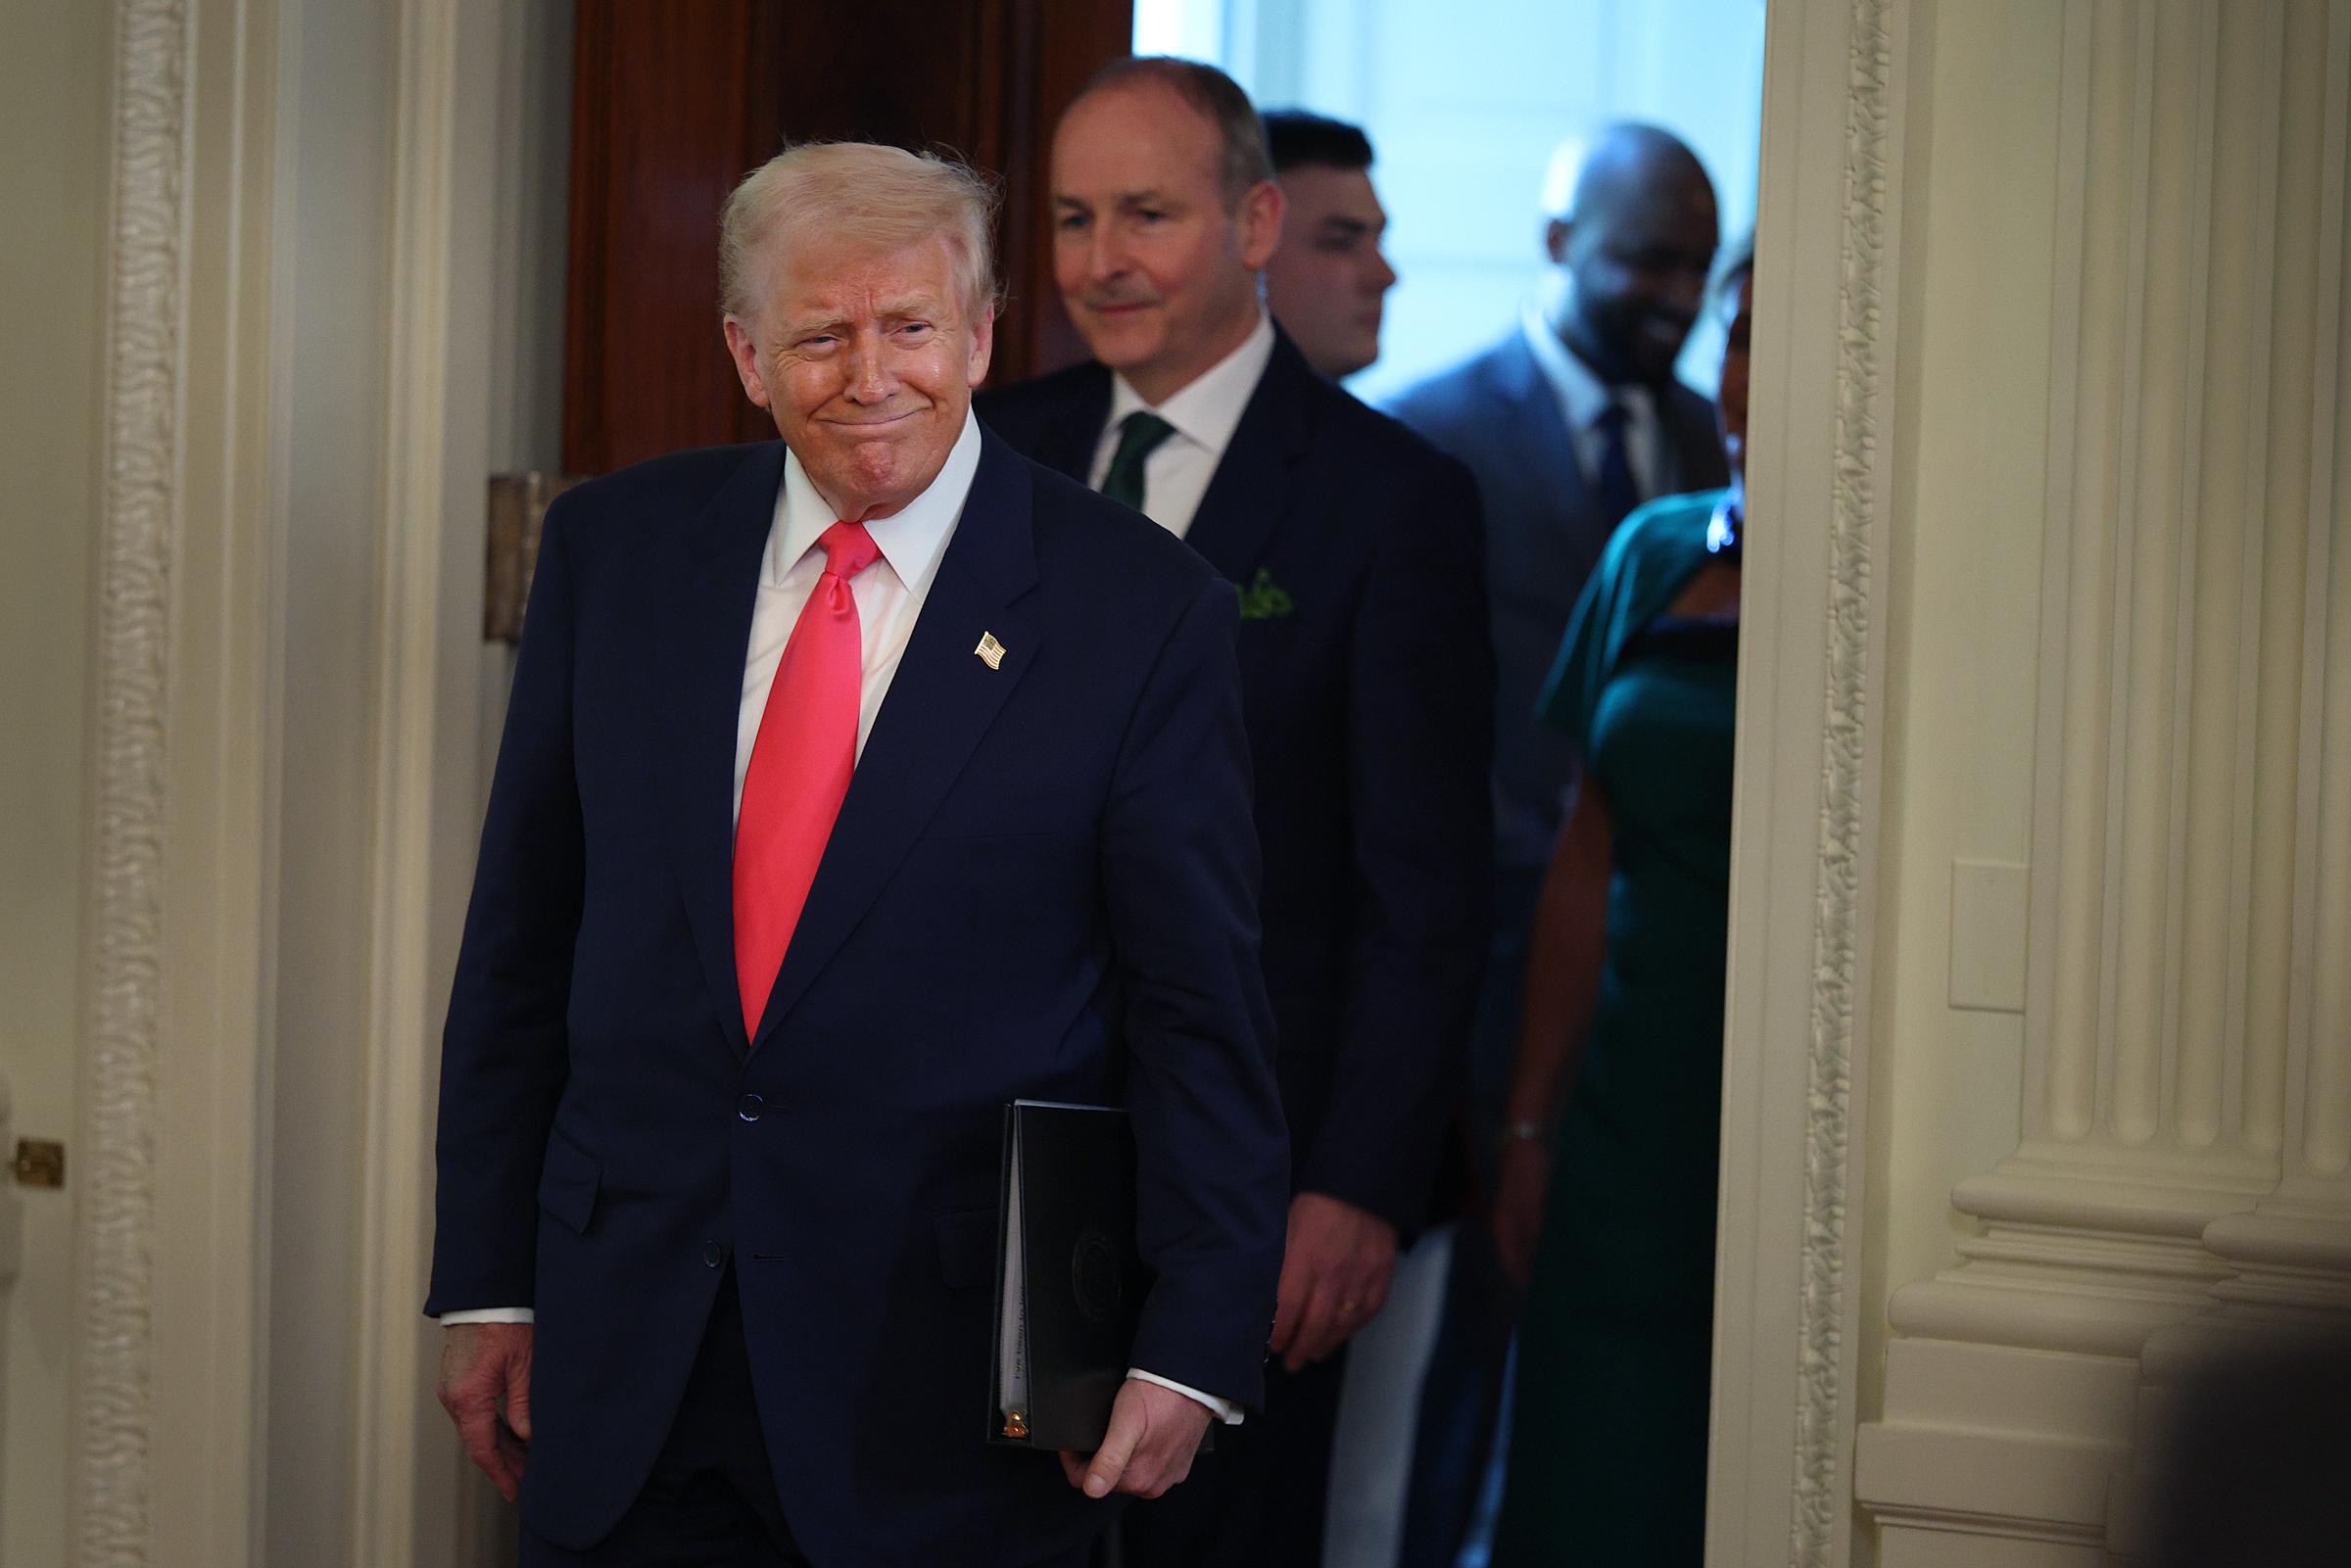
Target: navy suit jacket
1367 684
1544 529
1042 883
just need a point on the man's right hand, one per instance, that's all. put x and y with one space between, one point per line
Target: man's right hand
486 1389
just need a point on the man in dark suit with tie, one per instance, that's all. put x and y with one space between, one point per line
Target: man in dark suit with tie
1354 548
855 784
1570 422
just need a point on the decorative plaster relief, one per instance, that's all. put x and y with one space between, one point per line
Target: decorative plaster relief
113 1405
1823 1488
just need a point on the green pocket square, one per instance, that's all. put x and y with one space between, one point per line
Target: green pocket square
1265 601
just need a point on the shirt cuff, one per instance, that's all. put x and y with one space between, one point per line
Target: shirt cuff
489 1315
1224 1411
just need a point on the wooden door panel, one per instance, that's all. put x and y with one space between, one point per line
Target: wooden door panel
673 104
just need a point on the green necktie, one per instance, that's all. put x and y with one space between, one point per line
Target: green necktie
1140 435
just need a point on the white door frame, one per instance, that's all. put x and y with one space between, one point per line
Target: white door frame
168 1401
164 1403
1805 832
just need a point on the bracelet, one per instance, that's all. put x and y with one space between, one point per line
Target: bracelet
1525 1131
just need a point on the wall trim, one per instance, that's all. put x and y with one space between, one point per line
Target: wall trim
395 1183
1799 1011
113 1401
414 1498
1825 1346
167 1413
1849 766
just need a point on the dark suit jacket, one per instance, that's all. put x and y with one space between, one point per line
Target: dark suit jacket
1042 883
1545 528
1368 703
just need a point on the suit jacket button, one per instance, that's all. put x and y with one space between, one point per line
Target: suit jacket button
749 1107
714 1255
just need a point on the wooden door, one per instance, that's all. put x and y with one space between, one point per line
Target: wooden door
673 104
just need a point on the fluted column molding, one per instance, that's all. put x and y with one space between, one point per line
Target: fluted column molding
2170 719
2183 1166
2293 1250
2290 1254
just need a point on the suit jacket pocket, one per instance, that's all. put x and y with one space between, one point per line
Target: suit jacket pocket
568 1181
967 1247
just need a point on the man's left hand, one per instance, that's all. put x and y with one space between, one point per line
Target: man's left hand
1154 1433
1335 1271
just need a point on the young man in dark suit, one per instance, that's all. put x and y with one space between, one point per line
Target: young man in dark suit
1354 548
853 786
1328 278
1570 422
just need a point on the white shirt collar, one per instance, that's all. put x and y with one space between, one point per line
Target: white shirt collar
1208 409
1583 396
911 539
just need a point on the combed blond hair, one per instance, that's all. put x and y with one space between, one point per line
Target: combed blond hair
865 196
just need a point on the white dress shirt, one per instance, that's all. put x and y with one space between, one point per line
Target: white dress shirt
889 596
1204 415
1584 397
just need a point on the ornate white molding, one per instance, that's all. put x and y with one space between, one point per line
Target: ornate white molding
2182 841
113 1407
1823 1484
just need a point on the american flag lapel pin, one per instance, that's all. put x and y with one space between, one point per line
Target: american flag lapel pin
991 652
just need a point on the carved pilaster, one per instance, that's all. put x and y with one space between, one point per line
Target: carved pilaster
2289 1255
2186 1112
2163 861
2293 1252
113 1406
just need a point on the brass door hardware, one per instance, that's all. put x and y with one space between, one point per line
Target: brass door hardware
518 504
39 1162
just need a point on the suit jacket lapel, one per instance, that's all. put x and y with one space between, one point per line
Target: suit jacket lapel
1067 446
704 627
1259 472
1536 430
940 703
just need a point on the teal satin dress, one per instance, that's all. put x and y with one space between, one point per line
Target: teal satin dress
1608 1450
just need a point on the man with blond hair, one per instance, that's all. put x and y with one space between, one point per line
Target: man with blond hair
855 784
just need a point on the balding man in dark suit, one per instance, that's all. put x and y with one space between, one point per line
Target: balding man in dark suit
1570 422
1353 546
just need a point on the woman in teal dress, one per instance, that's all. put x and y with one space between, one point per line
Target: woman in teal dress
1605 1208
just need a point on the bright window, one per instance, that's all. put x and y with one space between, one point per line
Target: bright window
1465 100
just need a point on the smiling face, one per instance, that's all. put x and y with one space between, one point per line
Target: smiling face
1159 277
1327 282
1630 259
867 364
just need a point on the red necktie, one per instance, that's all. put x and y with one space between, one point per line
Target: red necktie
800 771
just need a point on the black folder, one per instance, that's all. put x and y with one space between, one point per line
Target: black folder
1070 1281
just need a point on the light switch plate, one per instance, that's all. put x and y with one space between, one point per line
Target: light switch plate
1987 935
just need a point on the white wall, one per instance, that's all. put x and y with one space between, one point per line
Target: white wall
55 85
1465 103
